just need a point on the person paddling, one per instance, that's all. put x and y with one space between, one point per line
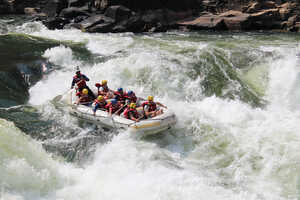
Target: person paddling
150 107
113 107
130 97
102 88
131 113
84 98
80 80
99 103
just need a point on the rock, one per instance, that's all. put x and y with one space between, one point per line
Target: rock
30 11
105 27
73 12
78 3
118 13
265 20
285 10
205 22
88 23
260 5
54 7
56 23
236 20
6 7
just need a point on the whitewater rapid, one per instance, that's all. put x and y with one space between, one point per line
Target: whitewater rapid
220 149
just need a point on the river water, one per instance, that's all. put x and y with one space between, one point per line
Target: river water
236 97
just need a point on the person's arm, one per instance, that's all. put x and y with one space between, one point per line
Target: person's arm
161 104
85 77
133 118
73 83
96 107
78 101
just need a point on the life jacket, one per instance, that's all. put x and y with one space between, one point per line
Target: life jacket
152 106
114 107
132 111
132 98
101 104
84 98
105 88
119 96
80 82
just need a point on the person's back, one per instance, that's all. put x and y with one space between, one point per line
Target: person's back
84 98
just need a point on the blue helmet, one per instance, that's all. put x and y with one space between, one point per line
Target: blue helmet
130 92
120 89
113 101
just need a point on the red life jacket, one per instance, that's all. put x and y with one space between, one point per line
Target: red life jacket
131 98
80 82
84 98
152 106
105 88
119 96
132 111
114 107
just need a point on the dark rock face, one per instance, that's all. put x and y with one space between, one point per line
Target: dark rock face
161 15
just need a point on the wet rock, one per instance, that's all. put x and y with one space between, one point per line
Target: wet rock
260 5
118 13
73 12
92 21
53 7
266 19
235 20
205 22
56 23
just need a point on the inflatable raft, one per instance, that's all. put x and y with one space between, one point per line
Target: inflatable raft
146 126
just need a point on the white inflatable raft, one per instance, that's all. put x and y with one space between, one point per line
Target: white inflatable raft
145 127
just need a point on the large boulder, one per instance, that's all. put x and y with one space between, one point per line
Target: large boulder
73 12
205 22
118 13
55 23
265 20
260 5
87 24
53 7
236 20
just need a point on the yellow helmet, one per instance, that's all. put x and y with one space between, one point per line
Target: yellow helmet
100 98
103 82
150 98
132 105
85 91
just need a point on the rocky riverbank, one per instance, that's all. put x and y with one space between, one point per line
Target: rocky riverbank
160 15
